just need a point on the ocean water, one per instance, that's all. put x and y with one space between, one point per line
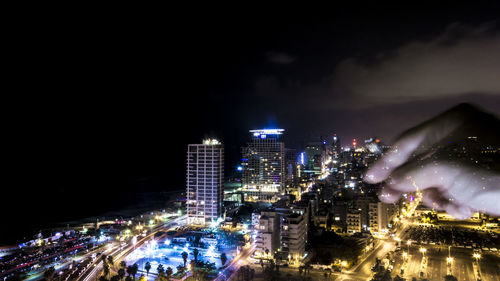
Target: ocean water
26 216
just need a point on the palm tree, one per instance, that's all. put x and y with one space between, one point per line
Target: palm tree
184 257
110 260
132 270
121 273
104 258
160 269
195 253
223 258
169 272
49 273
105 268
123 264
147 267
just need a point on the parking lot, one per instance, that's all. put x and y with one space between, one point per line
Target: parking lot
453 236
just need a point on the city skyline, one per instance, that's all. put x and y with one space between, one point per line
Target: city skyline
112 126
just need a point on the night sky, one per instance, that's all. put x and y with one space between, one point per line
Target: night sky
102 107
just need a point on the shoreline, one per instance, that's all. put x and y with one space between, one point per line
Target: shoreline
144 202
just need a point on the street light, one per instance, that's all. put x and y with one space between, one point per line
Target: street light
405 255
423 250
449 259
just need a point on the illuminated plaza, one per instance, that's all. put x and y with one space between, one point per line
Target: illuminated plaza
169 254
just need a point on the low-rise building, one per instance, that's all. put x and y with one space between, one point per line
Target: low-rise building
353 221
321 219
268 237
380 214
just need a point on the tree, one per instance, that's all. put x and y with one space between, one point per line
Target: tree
110 260
123 264
184 257
121 273
104 258
102 278
195 254
49 273
450 278
169 272
132 270
181 269
105 268
147 267
115 278
160 269
223 258
397 278
277 256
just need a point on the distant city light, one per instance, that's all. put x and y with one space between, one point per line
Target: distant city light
267 132
211 142
239 168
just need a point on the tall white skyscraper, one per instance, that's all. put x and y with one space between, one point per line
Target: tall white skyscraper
205 176
264 166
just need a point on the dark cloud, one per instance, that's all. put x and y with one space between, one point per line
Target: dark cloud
461 60
280 58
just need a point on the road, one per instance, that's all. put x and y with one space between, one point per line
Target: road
119 253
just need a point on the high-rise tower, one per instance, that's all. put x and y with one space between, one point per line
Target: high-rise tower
205 175
264 165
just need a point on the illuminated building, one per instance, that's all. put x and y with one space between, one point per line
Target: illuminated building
353 221
263 165
380 214
205 173
291 170
313 158
336 148
268 237
293 236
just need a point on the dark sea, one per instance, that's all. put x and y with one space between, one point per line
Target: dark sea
27 215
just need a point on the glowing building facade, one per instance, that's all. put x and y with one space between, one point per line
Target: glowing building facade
263 165
205 175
